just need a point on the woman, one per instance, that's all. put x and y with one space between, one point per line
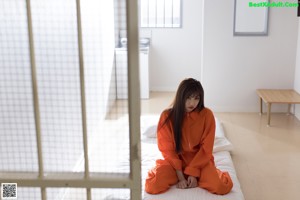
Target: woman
185 137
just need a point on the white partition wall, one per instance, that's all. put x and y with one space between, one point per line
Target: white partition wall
63 133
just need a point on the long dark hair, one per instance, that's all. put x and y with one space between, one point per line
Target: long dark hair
187 88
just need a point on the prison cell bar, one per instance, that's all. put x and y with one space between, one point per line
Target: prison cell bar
83 103
134 97
35 97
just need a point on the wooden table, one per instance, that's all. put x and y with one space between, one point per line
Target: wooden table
270 96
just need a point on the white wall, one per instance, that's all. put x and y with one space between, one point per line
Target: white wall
297 73
176 53
234 67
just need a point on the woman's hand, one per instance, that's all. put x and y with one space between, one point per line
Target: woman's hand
183 184
192 182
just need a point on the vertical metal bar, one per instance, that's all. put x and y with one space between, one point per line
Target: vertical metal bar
83 102
44 194
35 96
134 97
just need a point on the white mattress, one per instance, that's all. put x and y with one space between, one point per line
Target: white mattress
223 162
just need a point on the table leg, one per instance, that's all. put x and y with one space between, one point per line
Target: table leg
260 106
269 113
289 109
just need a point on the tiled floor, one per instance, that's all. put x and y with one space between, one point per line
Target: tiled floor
267 159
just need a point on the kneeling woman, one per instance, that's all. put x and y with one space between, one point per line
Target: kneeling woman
185 137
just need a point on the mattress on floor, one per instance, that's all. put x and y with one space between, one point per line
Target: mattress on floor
223 162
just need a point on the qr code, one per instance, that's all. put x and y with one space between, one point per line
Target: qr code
8 191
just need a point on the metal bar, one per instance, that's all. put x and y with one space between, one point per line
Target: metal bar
82 89
74 180
83 102
44 193
134 97
35 96
35 90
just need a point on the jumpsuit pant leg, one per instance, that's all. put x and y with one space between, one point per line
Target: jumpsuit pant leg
160 178
214 180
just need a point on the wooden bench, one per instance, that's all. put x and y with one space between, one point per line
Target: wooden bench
270 96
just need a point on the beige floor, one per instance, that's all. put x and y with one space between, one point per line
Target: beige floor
267 159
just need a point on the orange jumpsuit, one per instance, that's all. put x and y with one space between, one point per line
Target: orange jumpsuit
195 159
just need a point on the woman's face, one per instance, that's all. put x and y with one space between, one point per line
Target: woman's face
191 103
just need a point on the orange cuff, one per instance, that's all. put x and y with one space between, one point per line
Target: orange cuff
192 171
176 163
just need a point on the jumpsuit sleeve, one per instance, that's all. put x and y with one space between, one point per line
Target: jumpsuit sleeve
165 141
204 154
